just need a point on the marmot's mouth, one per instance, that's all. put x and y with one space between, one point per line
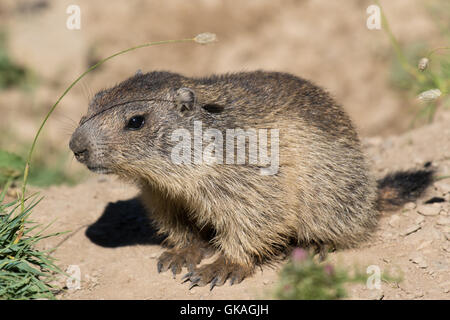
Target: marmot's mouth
100 170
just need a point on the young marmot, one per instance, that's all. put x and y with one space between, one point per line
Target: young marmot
320 194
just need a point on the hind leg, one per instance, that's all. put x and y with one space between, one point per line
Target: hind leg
322 250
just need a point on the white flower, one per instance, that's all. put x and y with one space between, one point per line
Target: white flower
429 95
205 38
423 64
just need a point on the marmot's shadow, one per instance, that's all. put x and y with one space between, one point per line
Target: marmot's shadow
123 223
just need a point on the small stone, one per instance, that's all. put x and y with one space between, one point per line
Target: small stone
419 220
445 286
410 206
443 221
376 295
429 210
410 230
394 221
424 244
447 236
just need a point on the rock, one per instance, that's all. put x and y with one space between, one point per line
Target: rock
394 221
376 295
410 230
443 221
445 286
419 220
429 210
410 206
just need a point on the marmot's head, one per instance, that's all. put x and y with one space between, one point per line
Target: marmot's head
128 128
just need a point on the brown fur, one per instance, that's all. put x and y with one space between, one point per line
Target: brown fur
322 194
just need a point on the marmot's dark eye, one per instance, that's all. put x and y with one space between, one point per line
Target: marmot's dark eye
135 123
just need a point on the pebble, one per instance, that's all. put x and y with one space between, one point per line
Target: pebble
443 221
410 230
419 220
429 210
377 295
394 221
410 206
445 287
420 261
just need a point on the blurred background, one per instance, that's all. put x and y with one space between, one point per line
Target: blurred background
326 42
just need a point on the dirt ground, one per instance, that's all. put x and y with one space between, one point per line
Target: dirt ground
327 42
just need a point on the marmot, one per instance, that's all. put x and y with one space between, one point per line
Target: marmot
321 193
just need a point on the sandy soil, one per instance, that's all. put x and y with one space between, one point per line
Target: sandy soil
116 250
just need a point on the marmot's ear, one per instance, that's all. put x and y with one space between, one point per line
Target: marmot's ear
185 99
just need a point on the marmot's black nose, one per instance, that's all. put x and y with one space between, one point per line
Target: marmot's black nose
80 151
81 155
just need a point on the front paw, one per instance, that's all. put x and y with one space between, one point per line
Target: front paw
176 259
217 274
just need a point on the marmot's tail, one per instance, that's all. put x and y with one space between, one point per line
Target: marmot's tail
401 187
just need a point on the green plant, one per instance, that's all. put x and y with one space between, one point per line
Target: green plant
11 74
11 166
412 72
303 278
25 272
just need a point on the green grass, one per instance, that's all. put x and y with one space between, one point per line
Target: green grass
303 278
406 76
46 171
12 74
25 272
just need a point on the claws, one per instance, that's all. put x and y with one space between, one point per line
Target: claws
187 276
174 271
194 283
214 274
213 283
